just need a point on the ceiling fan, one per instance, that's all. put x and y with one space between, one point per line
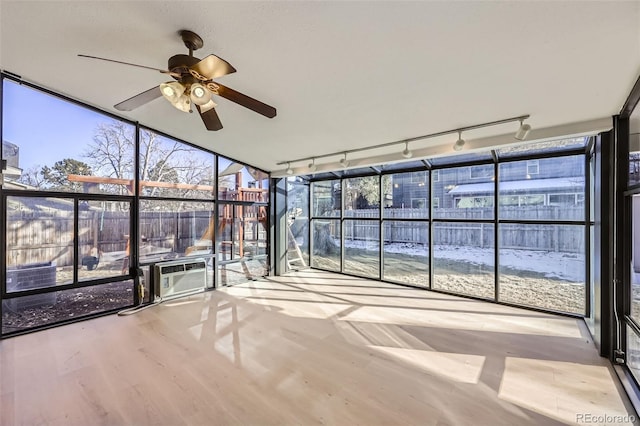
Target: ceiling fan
193 85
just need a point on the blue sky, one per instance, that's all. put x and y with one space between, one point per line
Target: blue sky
45 128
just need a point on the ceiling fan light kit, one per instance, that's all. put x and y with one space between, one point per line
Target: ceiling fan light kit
194 85
199 94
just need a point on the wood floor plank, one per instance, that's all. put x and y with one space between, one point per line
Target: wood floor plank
309 348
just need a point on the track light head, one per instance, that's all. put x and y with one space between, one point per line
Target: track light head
523 131
343 161
459 143
172 91
406 153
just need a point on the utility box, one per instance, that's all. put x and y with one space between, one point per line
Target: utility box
31 276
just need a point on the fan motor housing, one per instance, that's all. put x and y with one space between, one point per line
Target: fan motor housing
181 61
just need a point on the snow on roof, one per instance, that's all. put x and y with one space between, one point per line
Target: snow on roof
528 185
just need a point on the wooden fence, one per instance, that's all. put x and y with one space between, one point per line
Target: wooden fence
35 237
562 238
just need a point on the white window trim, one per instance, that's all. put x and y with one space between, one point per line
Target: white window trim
533 163
435 202
435 175
574 194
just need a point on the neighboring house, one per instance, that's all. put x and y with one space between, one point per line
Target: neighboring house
545 182
11 153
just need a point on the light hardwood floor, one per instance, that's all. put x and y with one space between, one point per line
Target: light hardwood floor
310 348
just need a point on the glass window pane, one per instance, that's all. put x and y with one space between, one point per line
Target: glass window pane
362 248
225 231
543 147
543 266
406 252
169 168
362 197
461 196
413 164
555 192
39 242
321 176
635 258
239 182
248 269
592 188
406 195
237 229
634 159
297 223
325 244
481 171
633 353
53 144
249 231
326 198
590 320
104 230
26 312
174 229
360 171
464 258
460 158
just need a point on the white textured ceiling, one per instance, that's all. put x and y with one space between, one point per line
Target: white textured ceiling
342 75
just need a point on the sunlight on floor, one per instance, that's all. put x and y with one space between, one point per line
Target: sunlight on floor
300 309
196 331
460 368
460 320
549 387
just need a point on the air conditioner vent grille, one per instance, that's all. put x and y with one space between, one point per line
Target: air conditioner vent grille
177 278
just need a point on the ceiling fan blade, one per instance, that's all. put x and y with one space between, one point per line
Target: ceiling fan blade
246 101
139 99
211 67
210 119
172 74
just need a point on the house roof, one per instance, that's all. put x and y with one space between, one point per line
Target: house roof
521 186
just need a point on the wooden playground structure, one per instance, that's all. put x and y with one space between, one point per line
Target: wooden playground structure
248 217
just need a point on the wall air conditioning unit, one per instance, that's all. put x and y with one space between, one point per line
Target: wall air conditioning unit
180 277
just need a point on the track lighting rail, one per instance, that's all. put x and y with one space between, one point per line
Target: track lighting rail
406 152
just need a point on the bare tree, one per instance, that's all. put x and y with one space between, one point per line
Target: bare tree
33 177
161 159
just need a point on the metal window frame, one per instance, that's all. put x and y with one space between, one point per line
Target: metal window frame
134 201
431 220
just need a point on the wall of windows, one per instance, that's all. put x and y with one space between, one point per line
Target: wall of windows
629 231
88 197
507 225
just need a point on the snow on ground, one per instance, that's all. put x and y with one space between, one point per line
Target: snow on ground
559 265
